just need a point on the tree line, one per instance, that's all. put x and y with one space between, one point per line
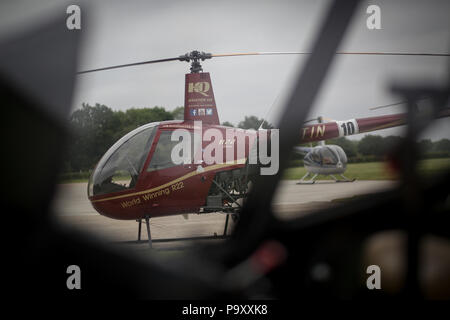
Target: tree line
96 128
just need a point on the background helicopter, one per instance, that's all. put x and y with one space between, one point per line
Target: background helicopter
136 178
331 160
323 159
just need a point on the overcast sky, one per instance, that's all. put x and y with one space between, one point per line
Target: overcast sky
118 32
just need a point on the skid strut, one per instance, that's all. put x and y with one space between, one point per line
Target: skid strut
226 225
139 229
310 181
147 222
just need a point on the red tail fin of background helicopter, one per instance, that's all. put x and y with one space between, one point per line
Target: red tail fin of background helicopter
199 102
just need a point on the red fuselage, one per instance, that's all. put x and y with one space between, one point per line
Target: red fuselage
173 190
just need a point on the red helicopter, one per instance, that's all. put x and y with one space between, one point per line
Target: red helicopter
137 178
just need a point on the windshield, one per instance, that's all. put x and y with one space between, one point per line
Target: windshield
120 167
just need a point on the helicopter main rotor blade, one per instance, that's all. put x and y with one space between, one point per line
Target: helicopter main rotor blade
395 104
202 56
373 108
340 53
129 65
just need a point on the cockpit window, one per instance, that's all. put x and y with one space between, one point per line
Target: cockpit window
342 155
315 155
328 157
121 170
162 158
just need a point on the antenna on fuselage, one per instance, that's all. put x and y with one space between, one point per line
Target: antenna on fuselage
268 112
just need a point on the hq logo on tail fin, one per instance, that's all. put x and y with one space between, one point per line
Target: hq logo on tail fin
199 87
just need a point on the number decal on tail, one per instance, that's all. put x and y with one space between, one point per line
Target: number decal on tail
348 127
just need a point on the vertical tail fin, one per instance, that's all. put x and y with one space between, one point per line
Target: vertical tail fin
199 102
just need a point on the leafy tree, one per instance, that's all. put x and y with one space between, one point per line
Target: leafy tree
390 142
425 145
93 129
227 124
250 122
253 122
97 127
133 118
178 113
371 145
350 147
442 145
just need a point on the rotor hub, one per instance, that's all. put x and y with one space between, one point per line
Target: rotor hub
194 58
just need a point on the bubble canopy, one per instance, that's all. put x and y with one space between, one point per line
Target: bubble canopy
119 168
326 159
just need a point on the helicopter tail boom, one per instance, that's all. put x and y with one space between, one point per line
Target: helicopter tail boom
336 129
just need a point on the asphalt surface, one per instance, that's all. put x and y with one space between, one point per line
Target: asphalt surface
72 208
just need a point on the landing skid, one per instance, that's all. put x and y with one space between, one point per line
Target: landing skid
345 179
313 179
214 237
350 180
165 240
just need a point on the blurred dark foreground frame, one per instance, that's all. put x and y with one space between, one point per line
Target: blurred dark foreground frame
37 71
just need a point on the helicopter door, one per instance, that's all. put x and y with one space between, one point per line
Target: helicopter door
174 178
